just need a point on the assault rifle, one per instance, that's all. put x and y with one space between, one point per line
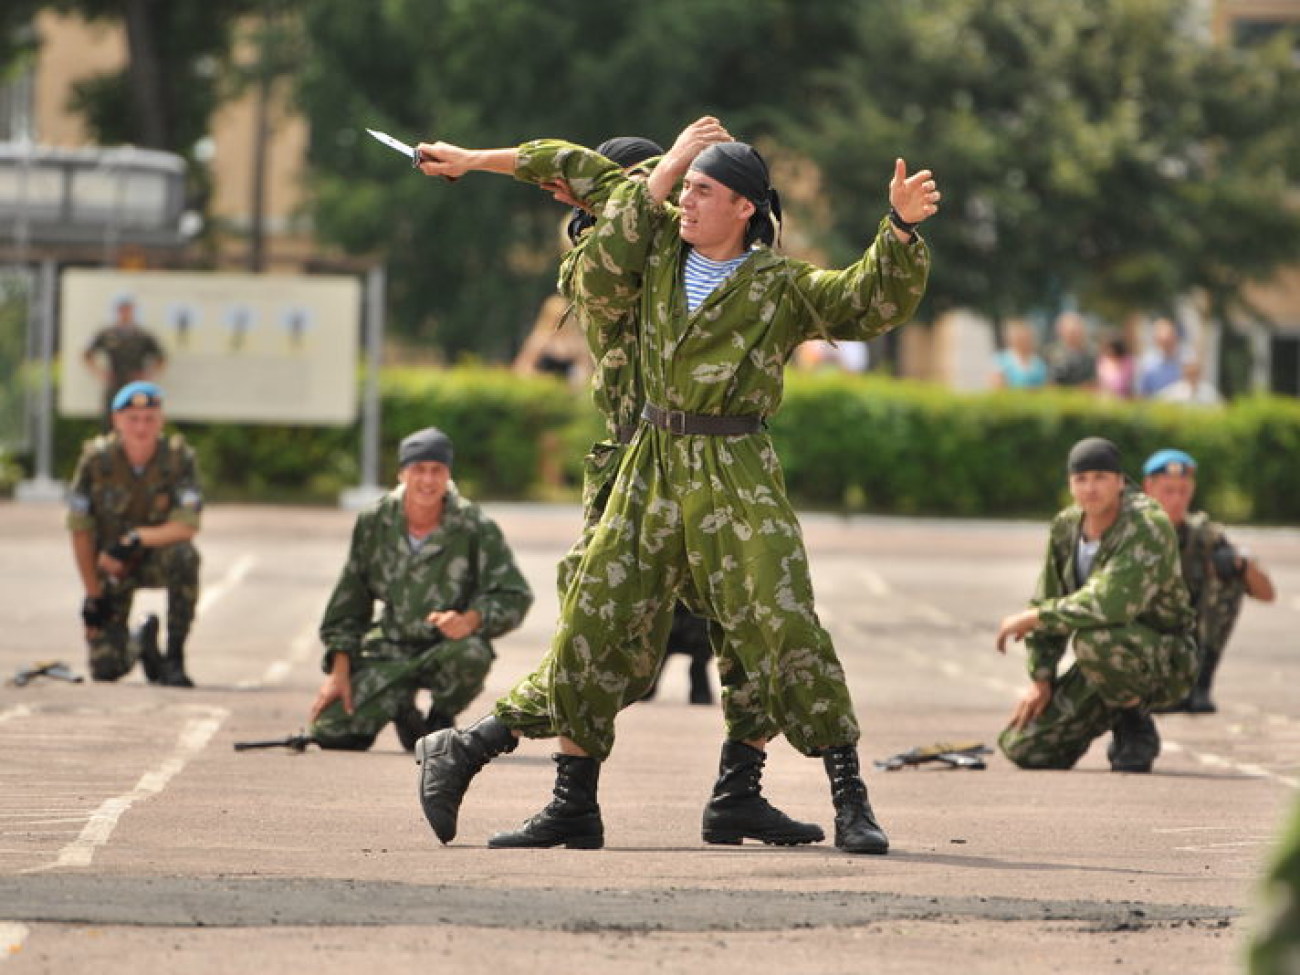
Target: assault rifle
963 754
55 669
297 743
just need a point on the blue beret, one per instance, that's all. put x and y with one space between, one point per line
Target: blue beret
1169 461
138 393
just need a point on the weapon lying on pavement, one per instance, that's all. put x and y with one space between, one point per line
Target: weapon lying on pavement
297 743
962 754
56 669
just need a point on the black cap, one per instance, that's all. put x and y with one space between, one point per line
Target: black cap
427 444
1094 454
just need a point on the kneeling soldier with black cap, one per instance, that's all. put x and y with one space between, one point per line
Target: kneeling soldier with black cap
133 509
449 585
1112 585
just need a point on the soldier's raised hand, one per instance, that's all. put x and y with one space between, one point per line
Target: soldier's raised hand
915 197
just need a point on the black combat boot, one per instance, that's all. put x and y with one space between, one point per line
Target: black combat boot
1135 742
571 819
448 759
856 829
411 725
1199 700
738 811
173 666
151 661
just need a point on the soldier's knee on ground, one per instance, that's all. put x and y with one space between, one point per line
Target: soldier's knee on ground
1024 751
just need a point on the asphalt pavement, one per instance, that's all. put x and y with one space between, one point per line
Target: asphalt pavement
134 839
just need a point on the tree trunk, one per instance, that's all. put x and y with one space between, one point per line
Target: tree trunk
145 73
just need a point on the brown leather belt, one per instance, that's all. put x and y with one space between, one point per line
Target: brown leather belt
689 424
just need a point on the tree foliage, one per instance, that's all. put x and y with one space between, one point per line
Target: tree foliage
470 264
1102 148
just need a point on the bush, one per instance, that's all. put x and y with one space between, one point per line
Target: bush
846 443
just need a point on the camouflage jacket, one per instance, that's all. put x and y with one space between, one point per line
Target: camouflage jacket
463 564
1213 598
129 350
615 384
729 355
1135 578
108 497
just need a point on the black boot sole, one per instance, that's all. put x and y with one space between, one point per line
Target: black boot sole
572 843
726 837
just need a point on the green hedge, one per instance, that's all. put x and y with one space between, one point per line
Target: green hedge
846 443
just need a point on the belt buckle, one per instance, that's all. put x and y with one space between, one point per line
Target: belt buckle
677 422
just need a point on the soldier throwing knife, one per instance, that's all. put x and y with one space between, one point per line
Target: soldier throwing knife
699 494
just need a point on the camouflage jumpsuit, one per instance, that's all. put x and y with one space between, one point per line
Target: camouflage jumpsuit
616 391
464 564
1217 601
708 512
1131 627
108 499
129 350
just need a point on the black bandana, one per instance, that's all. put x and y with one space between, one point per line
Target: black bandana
627 151
427 444
1094 454
740 168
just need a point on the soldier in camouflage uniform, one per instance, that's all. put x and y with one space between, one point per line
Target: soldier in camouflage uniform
129 353
449 586
133 509
736 810
1275 944
1111 586
698 499
1218 575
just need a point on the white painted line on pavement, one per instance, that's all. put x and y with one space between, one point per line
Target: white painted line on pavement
193 738
874 583
234 577
12 936
1218 761
299 650
19 711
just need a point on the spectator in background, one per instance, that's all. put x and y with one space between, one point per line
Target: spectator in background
1161 365
1115 369
1070 360
556 346
1018 365
1191 389
818 355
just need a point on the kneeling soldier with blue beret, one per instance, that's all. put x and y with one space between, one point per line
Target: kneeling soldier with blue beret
133 510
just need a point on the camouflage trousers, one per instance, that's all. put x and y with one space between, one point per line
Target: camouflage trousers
113 651
1115 668
386 679
527 708
1214 625
706 516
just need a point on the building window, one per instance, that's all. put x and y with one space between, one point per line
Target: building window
1284 365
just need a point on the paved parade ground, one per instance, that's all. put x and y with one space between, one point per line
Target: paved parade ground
136 840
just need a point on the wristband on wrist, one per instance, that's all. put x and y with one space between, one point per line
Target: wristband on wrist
900 223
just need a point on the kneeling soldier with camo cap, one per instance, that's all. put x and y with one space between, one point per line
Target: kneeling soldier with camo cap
449 585
1112 588
133 510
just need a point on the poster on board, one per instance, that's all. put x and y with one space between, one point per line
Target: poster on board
241 348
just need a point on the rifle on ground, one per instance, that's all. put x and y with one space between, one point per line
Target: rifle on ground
55 669
964 754
297 743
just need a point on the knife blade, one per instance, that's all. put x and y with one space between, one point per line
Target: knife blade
408 151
